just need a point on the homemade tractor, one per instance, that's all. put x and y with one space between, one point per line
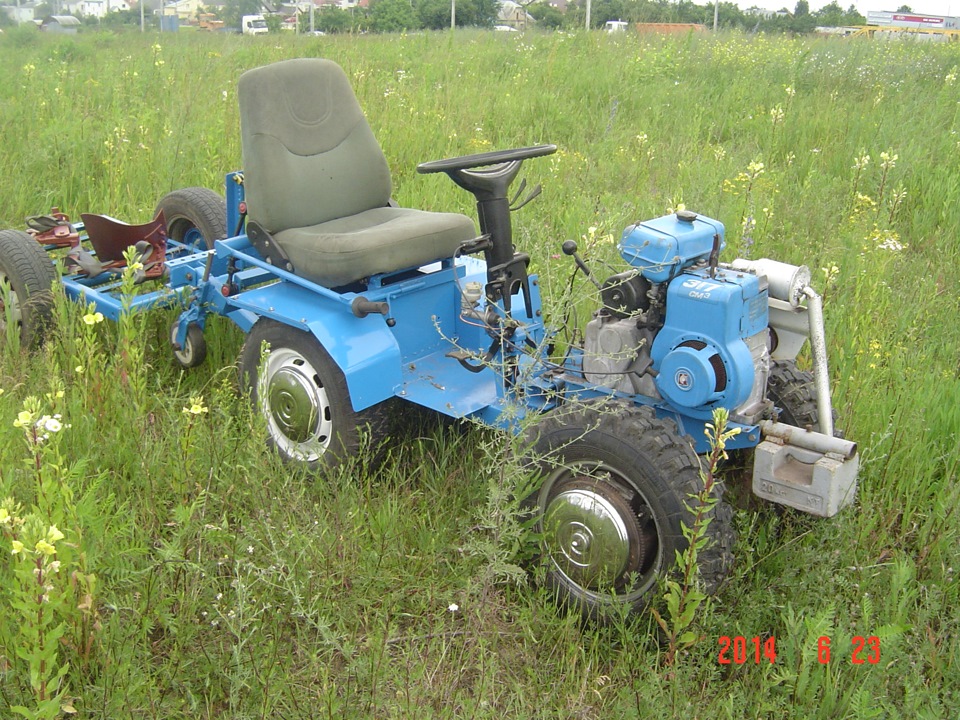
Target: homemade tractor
360 301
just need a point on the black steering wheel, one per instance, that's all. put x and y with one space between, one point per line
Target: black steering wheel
499 168
495 157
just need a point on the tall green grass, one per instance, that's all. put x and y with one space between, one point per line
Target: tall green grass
229 585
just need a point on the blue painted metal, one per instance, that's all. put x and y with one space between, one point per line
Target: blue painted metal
411 359
234 196
707 317
104 290
661 248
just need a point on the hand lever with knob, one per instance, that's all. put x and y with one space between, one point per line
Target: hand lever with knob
570 248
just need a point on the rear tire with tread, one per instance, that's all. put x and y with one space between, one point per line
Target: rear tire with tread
616 482
794 392
26 268
195 216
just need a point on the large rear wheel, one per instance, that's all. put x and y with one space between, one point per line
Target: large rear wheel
303 396
26 279
616 482
195 216
794 392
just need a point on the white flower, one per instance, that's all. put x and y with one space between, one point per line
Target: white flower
51 424
453 607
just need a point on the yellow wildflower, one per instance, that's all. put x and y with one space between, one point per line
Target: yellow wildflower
54 535
196 406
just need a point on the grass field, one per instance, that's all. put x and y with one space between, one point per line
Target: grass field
199 577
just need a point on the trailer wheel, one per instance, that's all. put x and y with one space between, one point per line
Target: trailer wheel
196 217
616 484
26 278
302 394
194 349
794 392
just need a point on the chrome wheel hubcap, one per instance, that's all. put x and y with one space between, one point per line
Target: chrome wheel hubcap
588 537
593 534
295 404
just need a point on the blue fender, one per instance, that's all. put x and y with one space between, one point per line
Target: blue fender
364 348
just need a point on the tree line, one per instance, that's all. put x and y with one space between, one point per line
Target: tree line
407 15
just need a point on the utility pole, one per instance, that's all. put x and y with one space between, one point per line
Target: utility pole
588 14
453 14
716 12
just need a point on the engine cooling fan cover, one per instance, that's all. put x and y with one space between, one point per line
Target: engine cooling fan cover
692 375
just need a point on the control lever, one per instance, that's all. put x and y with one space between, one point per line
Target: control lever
714 256
532 196
569 247
361 307
523 185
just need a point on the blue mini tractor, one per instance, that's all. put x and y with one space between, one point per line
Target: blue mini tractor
358 301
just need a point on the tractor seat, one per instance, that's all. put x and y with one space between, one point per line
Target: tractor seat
316 180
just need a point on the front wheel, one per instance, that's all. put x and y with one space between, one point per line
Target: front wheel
302 394
194 349
616 483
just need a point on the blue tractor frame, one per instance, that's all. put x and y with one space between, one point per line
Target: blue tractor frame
614 426
405 352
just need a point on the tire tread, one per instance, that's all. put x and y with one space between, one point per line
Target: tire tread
674 457
32 275
203 207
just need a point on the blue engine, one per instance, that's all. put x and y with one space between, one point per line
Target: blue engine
701 330
713 339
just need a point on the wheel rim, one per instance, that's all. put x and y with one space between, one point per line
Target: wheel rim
295 404
9 303
185 354
184 231
598 533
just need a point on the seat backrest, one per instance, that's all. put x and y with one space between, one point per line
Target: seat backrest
309 155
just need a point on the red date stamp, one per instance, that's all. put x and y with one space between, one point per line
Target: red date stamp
740 650
864 650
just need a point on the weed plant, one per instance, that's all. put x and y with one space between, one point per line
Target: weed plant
199 577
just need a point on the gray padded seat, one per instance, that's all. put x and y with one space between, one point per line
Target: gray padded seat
316 179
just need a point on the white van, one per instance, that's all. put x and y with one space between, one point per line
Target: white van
253 25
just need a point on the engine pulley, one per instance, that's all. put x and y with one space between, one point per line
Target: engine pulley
625 294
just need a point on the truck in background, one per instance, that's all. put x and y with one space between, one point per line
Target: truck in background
253 25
